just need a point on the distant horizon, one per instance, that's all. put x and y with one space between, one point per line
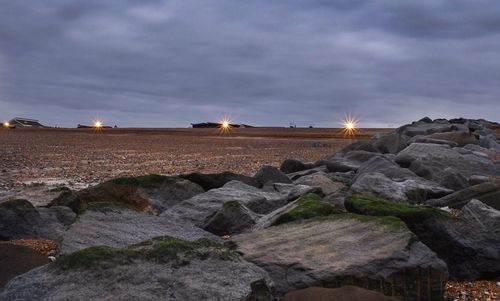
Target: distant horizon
339 125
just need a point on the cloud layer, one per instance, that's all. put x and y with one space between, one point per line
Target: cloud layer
170 63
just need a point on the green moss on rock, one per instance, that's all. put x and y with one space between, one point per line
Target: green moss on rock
107 206
162 249
308 206
373 206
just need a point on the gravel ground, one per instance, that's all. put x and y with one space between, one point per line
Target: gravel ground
81 157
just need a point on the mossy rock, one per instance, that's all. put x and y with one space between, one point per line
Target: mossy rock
151 180
308 206
378 207
17 205
390 222
107 207
162 249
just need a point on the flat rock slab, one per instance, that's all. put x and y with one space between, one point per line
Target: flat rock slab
122 227
260 201
345 249
170 270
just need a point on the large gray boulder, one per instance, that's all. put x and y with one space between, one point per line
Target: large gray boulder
488 193
293 165
202 207
381 177
320 180
151 193
424 127
269 174
468 245
450 167
163 268
119 227
232 218
217 180
19 219
486 217
345 249
466 162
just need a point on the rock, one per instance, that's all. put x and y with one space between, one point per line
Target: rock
449 167
381 177
217 180
426 139
151 193
20 220
391 142
231 219
344 248
270 174
298 174
307 207
344 293
343 177
424 128
164 268
483 215
463 161
292 165
261 201
365 146
320 180
109 225
468 246
475 180
488 193
16 260
337 165
461 138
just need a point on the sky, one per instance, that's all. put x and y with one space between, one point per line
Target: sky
171 63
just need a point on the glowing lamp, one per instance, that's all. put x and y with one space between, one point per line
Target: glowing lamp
225 125
350 126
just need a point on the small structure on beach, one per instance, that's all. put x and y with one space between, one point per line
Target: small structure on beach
19 122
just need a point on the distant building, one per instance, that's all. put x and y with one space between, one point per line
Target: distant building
24 123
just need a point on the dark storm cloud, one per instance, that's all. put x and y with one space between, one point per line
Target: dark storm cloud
169 63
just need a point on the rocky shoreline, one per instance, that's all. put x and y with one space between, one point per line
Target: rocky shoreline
397 215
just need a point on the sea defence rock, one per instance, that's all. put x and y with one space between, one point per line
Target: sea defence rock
201 208
151 193
381 177
163 268
467 244
450 167
488 193
292 165
217 180
20 220
486 217
109 225
321 181
377 253
269 174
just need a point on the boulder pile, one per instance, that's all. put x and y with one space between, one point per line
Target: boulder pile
397 215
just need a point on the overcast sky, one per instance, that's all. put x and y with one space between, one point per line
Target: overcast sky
170 63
